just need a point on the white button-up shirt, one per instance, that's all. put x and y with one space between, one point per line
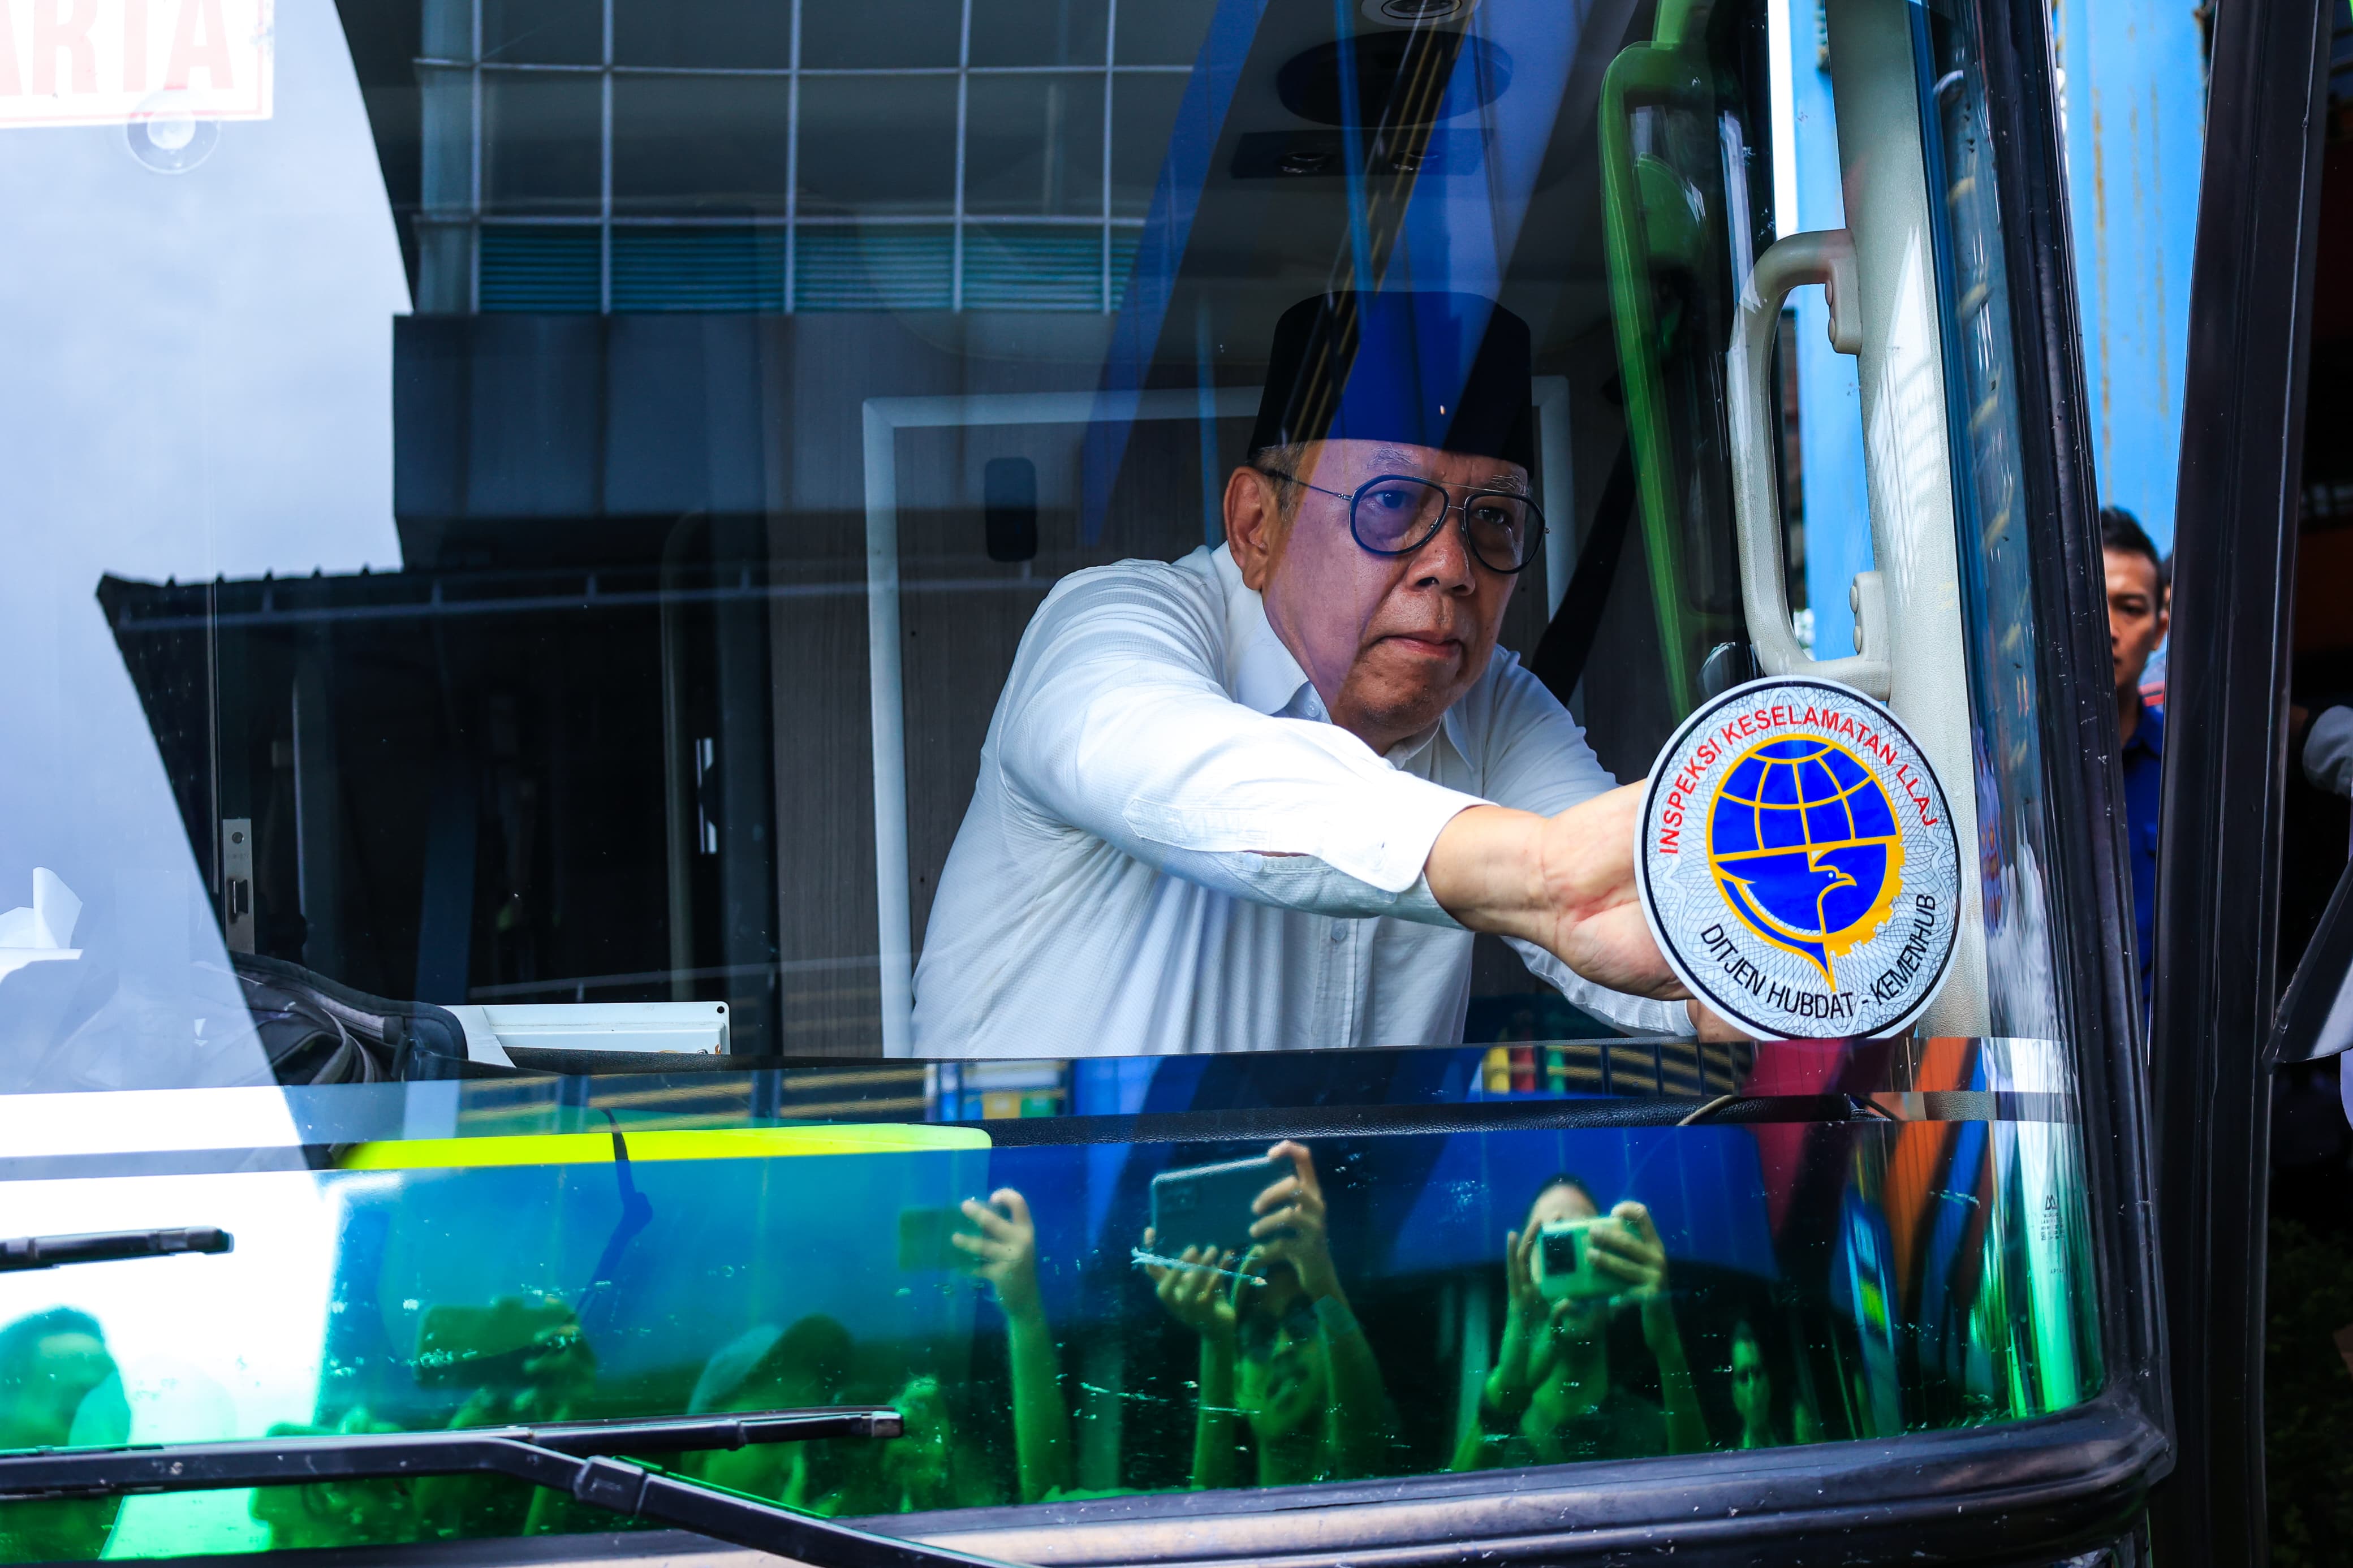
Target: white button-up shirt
1172 848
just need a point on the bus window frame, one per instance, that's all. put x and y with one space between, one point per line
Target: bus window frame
2219 830
2074 1480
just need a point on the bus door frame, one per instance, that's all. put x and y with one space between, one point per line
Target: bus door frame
2225 763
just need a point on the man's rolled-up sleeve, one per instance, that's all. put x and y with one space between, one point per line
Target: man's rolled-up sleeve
1116 723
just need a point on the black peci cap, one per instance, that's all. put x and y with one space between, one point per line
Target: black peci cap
1441 370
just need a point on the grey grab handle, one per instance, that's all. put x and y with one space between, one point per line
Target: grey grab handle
1824 256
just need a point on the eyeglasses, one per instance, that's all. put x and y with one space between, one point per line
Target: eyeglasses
1397 514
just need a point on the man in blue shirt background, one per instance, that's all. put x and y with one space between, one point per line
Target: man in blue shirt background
2136 623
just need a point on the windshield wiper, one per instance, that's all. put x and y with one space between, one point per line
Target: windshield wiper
24 1252
573 1457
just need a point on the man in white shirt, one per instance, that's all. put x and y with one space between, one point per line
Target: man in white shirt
1260 798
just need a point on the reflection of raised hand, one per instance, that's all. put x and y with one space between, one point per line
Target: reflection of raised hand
1006 1248
1195 1294
1524 1299
1527 1352
1631 1252
1291 1227
1193 1290
1005 1254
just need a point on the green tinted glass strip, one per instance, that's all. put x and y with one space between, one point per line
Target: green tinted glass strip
596 1148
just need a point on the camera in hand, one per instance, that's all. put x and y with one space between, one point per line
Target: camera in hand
1564 1265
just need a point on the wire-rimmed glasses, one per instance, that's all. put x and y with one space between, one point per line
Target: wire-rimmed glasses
1397 514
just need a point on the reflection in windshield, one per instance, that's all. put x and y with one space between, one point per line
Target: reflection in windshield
1081 548
231 315
642 449
1550 1397
1283 1359
1061 1312
58 1385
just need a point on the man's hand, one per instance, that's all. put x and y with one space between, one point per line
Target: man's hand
1711 1028
1566 883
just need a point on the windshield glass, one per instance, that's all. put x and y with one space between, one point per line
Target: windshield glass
1040 625
975 529
1450 1263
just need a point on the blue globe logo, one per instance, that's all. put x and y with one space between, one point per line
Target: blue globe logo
1803 841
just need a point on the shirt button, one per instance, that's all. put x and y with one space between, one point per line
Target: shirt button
1339 932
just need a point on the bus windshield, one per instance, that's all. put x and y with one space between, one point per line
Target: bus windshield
1226 746
1453 1262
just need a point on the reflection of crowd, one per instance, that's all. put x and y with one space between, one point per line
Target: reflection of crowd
551 1375
1551 1398
1753 1397
1285 1384
1278 1381
57 1386
534 1366
934 1463
1281 1353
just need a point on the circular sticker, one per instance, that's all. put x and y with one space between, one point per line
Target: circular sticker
1797 862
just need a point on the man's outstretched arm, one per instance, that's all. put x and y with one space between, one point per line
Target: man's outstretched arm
1114 722
1565 883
